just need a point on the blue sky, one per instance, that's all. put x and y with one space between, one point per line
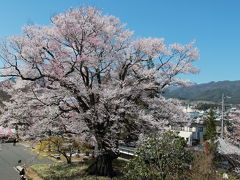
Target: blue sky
214 24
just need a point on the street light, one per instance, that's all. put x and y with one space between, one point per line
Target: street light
222 115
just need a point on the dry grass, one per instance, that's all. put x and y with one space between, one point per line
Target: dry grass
74 171
62 171
31 174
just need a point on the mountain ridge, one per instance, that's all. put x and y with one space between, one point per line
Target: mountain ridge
211 91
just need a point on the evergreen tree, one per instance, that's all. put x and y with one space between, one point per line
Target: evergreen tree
210 133
160 157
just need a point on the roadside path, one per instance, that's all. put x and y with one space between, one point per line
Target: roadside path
9 157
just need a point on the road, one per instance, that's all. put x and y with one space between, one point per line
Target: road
9 157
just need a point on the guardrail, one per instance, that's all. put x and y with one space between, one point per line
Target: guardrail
126 152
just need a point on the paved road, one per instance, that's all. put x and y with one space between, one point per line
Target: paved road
9 157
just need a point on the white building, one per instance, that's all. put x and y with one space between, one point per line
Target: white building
193 134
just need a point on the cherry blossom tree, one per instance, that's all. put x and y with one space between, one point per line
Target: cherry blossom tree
88 69
36 112
233 130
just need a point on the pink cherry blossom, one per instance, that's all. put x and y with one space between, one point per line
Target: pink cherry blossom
88 76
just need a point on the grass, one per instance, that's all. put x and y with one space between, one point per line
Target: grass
231 176
74 171
60 170
31 174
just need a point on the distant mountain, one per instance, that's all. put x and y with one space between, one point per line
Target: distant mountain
208 92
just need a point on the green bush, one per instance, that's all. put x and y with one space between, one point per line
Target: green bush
160 157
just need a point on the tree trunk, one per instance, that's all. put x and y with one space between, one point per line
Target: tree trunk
102 166
68 158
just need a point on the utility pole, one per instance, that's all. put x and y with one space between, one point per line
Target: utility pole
222 115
